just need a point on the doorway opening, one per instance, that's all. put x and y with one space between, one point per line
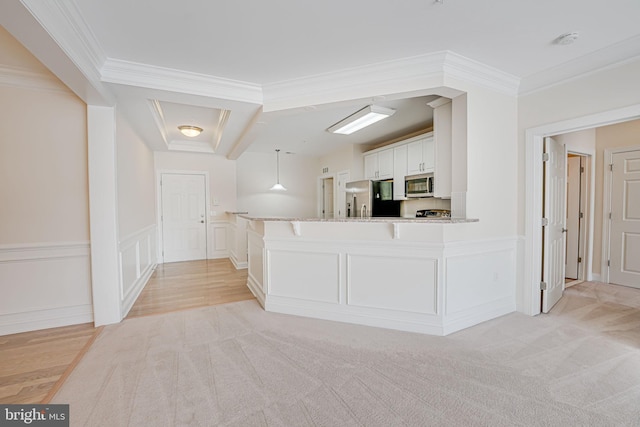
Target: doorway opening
327 198
578 192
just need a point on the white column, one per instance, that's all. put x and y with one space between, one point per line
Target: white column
103 213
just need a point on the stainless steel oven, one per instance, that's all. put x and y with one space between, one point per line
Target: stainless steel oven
419 185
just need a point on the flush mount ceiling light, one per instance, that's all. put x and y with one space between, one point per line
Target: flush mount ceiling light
361 119
277 186
566 38
190 131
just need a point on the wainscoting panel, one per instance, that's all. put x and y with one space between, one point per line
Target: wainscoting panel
289 275
406 283
217 246
136 252
44 286
255 280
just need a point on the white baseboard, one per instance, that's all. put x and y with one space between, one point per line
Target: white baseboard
596 278
45 319
136 289
44 285
256 290
238 265
479 314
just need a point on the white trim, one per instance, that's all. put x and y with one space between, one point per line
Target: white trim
172 80
44 251
375 79
532 259
44 259
479 314
135 236
207 190
44 319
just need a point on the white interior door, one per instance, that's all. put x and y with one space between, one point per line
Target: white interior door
327 197
184 228
341 200
573 217
624 252
555 178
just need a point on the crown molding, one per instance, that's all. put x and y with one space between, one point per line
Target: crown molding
472 71
168 79
402 75
64 23
610 57
24 78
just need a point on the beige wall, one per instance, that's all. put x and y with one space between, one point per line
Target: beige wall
136 183
608 137
43 154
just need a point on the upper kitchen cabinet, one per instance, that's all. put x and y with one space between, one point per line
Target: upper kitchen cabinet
442 166
399 171
379 165
420 156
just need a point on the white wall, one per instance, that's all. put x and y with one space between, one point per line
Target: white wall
256 173
348 158
44 215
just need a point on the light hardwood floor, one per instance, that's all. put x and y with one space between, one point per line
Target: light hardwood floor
33 365
184 285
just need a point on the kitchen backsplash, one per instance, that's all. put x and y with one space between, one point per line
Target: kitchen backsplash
408 208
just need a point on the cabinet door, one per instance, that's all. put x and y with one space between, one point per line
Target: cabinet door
428 155
371 166
414 157
385 164
399 172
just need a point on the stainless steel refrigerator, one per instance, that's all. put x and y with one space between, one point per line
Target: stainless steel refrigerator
371 198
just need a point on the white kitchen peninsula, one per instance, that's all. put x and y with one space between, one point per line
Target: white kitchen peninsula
418 275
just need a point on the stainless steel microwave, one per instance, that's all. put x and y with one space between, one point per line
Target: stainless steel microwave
419 185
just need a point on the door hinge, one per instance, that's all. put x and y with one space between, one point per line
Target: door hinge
579 259
609 215
611 167
581 215
581 169
545 157
608 263
544 222
543 286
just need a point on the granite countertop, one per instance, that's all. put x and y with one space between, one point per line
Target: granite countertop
366 219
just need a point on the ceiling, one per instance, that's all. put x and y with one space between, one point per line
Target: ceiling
254 44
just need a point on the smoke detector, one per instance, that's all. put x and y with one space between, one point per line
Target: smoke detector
567 38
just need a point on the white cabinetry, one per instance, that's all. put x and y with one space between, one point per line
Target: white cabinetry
421 156
399 171
379 165
442 124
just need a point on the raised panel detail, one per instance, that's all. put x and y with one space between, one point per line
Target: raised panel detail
632 200
393 283
289 275
630 251
632 165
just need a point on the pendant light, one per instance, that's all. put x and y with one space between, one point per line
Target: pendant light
277 186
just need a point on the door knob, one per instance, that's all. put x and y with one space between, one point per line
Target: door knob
564 230
202 221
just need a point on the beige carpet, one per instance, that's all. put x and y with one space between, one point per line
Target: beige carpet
236 365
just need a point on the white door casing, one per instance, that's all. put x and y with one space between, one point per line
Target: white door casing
183 217
555 177
624 235
573 216
327 198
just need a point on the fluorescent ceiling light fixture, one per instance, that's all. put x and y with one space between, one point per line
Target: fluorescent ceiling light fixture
190 131
361 119
277 186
